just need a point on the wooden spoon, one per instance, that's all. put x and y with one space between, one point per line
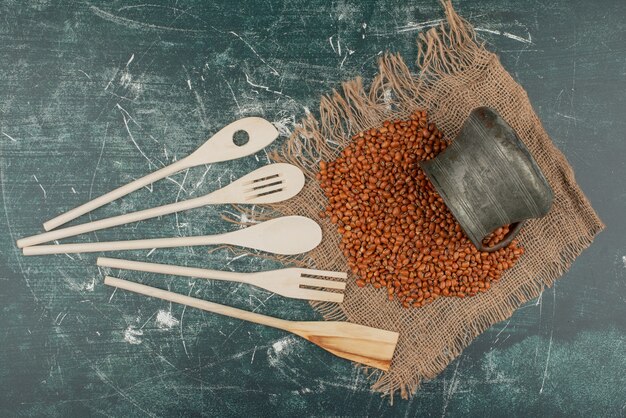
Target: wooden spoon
269 184
220 147
370 346
285 235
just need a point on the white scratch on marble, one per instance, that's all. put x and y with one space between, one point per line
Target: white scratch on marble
45 195
89 287
131 335
9 136
280 93
165 319
274 71
545 370
506 35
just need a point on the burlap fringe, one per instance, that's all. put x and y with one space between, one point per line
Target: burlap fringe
395 93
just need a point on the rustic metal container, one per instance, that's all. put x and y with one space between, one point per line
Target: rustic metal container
488 179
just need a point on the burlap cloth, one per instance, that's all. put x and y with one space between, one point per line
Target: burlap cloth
454 74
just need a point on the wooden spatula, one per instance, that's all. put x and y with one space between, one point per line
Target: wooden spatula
370 346
269 184
286 235
220 147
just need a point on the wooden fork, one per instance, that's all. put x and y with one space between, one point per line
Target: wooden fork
297 283
269 184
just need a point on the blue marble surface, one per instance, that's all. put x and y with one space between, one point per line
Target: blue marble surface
94 95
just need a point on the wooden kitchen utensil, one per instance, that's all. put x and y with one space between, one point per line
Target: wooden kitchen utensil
285 235
269 184
285 282
370 346
220 147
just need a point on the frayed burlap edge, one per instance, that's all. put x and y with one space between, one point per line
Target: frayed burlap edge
449 60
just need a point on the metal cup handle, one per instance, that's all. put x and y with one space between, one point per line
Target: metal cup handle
505 241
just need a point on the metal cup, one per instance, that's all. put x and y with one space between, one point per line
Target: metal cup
488 179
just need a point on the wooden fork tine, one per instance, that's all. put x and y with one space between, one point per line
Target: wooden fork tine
262 183
330 284
324 273
265 190
312 294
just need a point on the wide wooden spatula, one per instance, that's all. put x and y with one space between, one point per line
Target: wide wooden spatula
370 346
220 147
269 184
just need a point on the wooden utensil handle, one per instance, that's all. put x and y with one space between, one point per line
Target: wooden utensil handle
114 221
117 263
198 303
117 193
140 244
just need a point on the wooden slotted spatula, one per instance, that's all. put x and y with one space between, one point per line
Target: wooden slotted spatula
286 235
269 184
370 346
286 282
220 147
